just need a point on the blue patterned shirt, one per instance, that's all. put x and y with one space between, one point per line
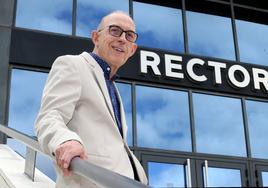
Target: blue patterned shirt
111 88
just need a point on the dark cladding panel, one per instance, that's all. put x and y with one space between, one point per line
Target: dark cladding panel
41 49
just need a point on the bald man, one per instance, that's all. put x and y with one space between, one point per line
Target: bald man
81 113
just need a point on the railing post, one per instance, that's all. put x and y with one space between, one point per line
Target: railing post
30 160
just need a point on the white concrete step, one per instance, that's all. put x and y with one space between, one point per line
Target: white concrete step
12 172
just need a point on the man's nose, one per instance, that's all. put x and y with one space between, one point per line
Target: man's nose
123 37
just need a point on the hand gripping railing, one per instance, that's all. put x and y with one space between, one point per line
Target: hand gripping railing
102 177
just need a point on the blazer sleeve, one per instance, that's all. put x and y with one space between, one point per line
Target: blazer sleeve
60 96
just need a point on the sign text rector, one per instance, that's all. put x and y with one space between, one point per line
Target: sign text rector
200 73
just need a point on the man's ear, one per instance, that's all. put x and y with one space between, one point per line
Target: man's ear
134 48
94 37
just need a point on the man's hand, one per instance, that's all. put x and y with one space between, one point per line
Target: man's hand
66 152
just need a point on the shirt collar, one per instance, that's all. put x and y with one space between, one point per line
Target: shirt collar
104 66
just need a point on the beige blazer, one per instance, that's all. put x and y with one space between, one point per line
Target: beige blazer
76 105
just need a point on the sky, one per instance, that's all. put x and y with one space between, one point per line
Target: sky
163 118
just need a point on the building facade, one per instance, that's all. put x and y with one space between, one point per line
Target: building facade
195 92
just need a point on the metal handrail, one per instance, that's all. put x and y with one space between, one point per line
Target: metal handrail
102 177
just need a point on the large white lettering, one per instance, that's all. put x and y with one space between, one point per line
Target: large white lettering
217 70
190 69
169 66
237 75
260 76
234 81
145 62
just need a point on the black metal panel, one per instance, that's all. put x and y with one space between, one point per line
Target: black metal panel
40 49
257 3
208 7
251 15
166 3
132 72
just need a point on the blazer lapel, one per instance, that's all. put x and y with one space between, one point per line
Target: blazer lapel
98 74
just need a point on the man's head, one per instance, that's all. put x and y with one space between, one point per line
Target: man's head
113 49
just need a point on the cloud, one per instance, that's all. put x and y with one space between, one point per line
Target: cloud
252 47
160 175
220 177
90 12
167 35
210 35
218 125
257 124
49 15
25 96
163 119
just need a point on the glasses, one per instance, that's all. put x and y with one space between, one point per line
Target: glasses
117 31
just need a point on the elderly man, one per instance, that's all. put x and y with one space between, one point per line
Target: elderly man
81 111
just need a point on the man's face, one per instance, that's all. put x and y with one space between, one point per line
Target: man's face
114 50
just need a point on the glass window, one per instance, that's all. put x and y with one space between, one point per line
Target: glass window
90 12
223 177
210 35
264 179
168 35
125 92
166 175
252 47
163 119
25 99
49 15
219 125
23 108
258 129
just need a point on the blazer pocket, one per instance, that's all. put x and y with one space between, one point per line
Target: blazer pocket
100 160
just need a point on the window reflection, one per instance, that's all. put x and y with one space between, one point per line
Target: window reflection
210 35
218 125
166 175
252 48
163 119
90 12
223 177
25 96
49 15
167 35
125 92
264 179
258 129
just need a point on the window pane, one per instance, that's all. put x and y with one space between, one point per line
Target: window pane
163 119
168 35
258 129
49 15
223 177
90 12
252 47
25 96
125 92
219 125
264 179
210 35
166 175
